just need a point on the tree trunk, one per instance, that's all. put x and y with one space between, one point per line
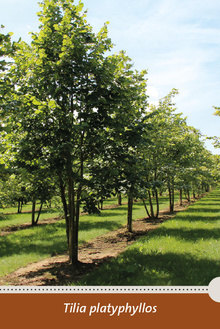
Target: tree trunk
157 203
73 241
119 199
74 207
129 218
145 206
101 203
194 195
65 207
171 197
188 195
39 212
33 213
151 205
181 197
19 205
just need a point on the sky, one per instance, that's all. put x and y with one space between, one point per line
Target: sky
176 41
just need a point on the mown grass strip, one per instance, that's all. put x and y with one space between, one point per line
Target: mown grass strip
9 216
33 244
23 218
183 251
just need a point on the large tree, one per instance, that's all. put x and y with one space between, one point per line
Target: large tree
68 94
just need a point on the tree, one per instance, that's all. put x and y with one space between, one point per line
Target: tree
58 85
6 49
174 157
215 139
126 131
68 94
217 111
163 151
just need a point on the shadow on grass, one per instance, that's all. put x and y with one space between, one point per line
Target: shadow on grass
192 215
205 210
2 217
192 235
136 268
107 225
9 247
44 240
151 266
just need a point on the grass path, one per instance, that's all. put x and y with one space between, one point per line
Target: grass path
182 251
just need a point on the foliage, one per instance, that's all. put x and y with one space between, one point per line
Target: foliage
75 123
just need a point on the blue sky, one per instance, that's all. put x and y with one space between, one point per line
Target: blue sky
176 41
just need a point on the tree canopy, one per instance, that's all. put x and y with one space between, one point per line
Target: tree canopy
76 118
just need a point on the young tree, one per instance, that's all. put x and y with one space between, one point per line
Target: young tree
58 83
162 152
68 94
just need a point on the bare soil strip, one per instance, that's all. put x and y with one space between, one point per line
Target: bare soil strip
56 270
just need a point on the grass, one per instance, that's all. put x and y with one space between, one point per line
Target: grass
36 243
183 251
15 219
10 217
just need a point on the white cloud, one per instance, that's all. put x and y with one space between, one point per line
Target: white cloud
178 42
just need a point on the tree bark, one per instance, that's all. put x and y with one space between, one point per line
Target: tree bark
129 218
157 203
39 212
151 205
188 195
19 206
74 207
171 197
73 245
145 206
33 213
181 197
119 199
101 203
65 208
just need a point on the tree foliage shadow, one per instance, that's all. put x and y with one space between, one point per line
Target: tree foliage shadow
193 217
136 268
192 235
9 247
108 225
44 240
204 210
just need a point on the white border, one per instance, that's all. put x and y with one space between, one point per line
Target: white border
104 290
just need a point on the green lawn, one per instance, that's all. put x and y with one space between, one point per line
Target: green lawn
17 219
35 243
10 217
183 251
